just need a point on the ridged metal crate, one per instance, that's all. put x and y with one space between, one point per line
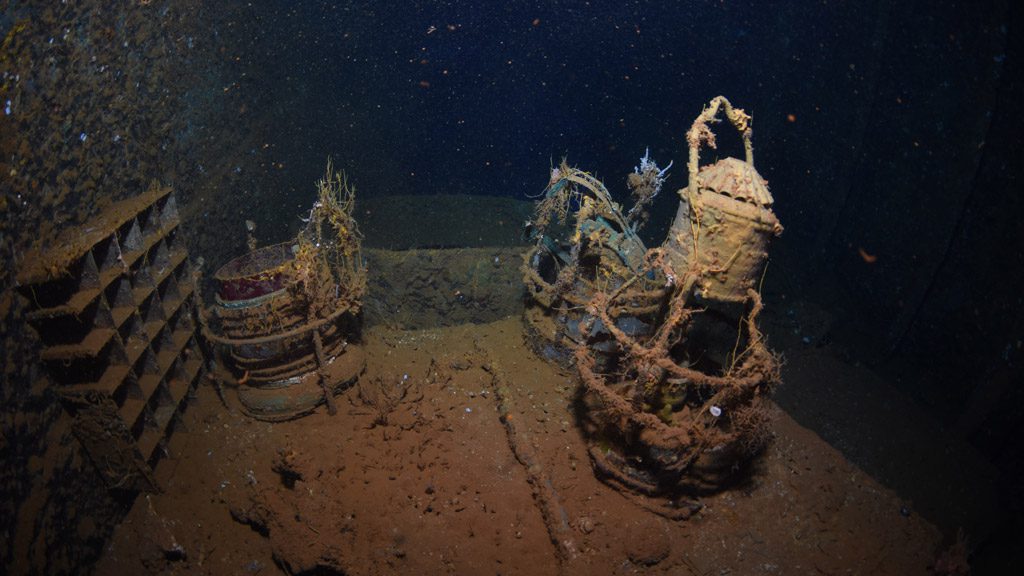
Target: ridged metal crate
114 307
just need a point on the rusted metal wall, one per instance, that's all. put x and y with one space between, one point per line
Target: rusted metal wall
95 105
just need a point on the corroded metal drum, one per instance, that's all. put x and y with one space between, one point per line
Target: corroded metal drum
252 297
264 318
269 336
256 277
286 318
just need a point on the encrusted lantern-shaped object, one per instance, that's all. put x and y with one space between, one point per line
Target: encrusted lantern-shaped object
725 220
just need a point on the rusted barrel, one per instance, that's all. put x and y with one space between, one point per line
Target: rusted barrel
264 321
252 293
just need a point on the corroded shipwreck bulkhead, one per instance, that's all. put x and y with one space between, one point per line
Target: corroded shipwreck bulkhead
113 304
287 318
678 408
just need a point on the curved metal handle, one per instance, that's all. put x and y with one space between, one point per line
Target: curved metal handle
700 133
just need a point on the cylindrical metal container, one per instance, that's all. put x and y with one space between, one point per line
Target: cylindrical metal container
722 230
268 331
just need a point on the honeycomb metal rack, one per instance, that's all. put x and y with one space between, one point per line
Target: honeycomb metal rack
114 308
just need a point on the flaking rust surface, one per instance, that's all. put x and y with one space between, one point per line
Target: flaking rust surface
433 487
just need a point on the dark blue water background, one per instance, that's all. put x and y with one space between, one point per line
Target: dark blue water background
480 98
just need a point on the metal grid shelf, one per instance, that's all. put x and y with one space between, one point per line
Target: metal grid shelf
113 305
